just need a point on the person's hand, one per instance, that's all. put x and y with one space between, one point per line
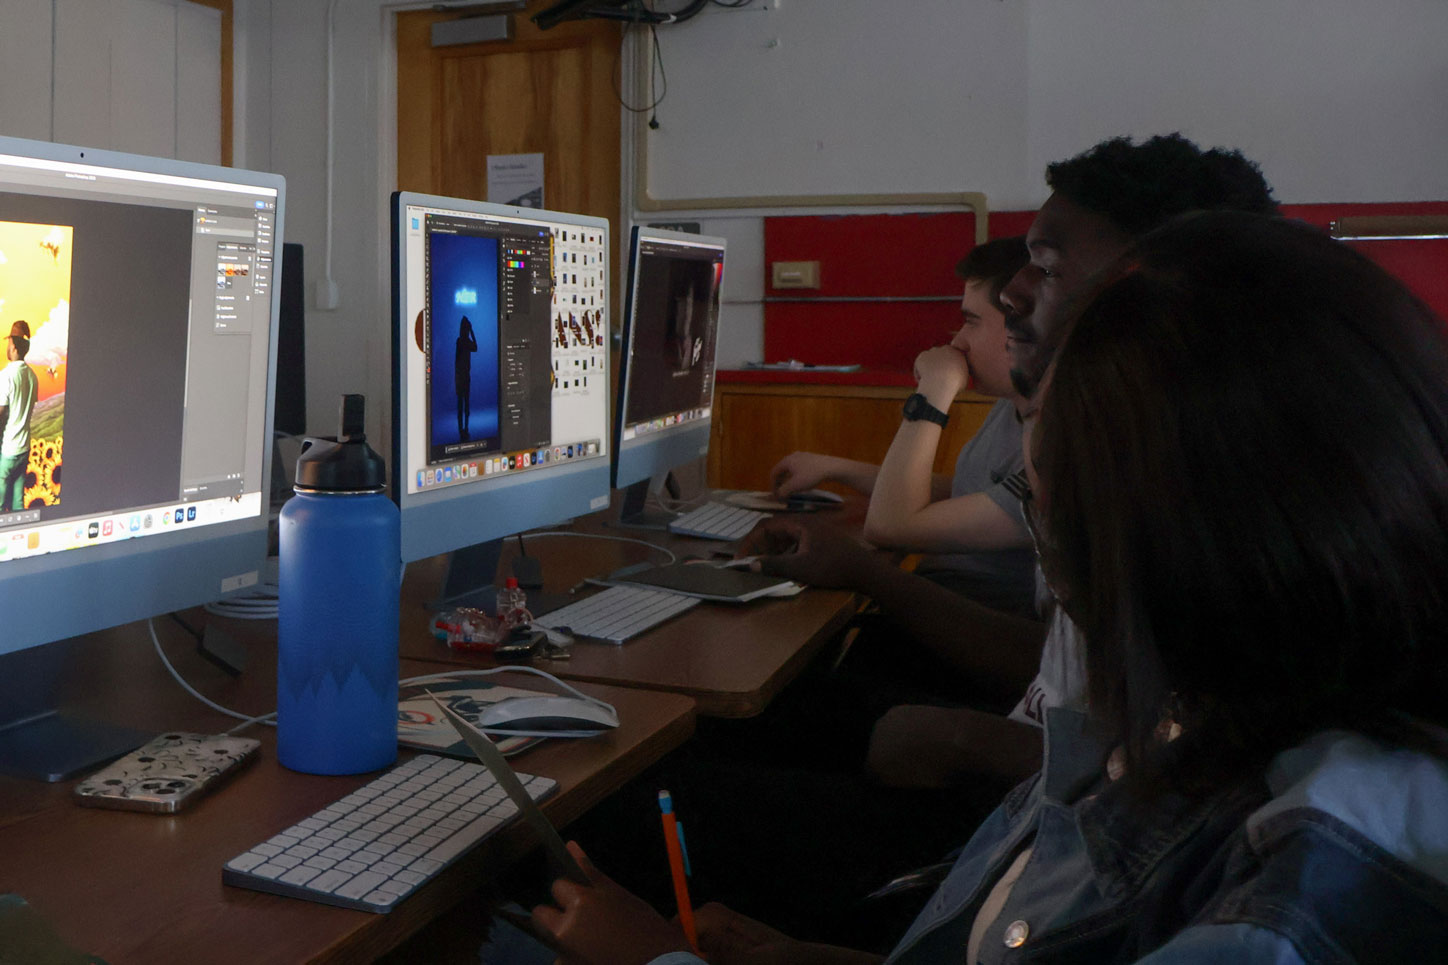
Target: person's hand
727 937
813 553
797 471
602 923
941 372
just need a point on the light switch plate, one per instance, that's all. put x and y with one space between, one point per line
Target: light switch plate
794 274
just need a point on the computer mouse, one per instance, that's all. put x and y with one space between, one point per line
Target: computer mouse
547 713
822 497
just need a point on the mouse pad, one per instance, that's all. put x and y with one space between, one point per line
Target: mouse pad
419 725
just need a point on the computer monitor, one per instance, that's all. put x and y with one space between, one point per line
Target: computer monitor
666 376
138 422
500 350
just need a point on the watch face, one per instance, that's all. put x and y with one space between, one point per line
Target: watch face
916 407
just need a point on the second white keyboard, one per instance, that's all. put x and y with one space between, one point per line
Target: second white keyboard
617 614
379 844
717 521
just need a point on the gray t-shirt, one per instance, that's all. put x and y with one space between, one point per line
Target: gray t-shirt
1002 579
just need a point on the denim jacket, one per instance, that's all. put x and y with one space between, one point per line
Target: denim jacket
1338 855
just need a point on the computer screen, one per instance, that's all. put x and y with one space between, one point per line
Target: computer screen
138 312
666 379
501 323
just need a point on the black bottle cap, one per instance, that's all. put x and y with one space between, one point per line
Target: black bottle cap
343 463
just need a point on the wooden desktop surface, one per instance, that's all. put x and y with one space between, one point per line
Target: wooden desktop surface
731 658
146 888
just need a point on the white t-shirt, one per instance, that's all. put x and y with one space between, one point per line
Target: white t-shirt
17 390
1061 679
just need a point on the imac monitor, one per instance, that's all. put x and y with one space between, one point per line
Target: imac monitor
501 366
138 313
666 380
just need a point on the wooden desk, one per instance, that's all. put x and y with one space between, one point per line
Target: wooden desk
144 888
732 659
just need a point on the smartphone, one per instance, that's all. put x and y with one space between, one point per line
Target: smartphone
168 774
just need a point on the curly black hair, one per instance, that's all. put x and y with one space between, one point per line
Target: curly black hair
1138 187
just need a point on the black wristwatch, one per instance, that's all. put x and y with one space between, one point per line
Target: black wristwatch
916 408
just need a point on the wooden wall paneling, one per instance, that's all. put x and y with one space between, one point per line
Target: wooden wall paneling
226 81
755 426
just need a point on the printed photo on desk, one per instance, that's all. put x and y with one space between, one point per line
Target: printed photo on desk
419 725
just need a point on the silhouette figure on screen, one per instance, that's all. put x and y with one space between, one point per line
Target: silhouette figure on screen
18 389
684 347
467 344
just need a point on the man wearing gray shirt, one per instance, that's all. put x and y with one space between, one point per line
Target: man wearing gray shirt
969 525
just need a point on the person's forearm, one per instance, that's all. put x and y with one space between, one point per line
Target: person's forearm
1000 652
859 476
905 483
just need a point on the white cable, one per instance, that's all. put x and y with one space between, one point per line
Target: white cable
331 111
246 719
618 539
270 718
260 604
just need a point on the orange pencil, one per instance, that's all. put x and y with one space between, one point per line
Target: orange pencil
676 868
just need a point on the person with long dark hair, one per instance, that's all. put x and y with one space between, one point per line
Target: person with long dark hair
1239 475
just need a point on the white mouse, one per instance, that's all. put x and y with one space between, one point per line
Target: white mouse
547 713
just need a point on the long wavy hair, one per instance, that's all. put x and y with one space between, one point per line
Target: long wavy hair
1243 464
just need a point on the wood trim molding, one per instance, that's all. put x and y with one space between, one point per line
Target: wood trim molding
228 98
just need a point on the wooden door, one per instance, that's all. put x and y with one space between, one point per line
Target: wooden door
548 92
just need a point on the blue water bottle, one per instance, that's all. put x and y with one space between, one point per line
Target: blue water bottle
340 567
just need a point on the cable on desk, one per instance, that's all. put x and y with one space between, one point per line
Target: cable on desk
270 718
246 719
260 604
618 539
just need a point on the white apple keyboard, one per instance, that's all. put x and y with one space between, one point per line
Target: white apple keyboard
616 614
717 521
372 848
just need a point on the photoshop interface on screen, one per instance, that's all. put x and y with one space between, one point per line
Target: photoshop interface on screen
514 333
674 328
148 302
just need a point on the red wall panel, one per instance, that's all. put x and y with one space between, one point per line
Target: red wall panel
914 255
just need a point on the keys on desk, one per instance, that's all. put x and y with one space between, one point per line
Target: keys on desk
717 521
617 614
379 844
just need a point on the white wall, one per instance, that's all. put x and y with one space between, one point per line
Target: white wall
1340 100
141 76
282 48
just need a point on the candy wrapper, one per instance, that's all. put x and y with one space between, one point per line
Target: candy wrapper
467 628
